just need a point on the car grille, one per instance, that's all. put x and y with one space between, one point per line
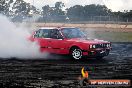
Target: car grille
101 45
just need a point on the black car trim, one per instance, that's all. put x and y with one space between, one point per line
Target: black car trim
44 47
53 48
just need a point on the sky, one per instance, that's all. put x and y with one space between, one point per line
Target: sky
114 5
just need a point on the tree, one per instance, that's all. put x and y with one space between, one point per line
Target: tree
127 16
75 13
79 12
46 10
53 13
59 5
57 11
23 10
4 6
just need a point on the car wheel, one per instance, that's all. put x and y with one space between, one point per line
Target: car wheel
76 53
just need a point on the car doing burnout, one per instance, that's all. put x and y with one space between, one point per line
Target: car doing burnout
70 41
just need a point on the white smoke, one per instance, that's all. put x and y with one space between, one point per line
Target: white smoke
14 41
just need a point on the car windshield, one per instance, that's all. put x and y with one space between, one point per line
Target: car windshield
73 33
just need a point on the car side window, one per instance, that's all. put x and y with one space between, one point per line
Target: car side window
55 34
45 33
38 34
42 33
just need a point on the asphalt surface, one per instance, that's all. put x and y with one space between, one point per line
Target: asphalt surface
62 72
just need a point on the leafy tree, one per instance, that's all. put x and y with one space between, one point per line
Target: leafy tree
4 6
23 10
59 5
127 16
21 7
57 10
53 13
76 11
46 10
84 12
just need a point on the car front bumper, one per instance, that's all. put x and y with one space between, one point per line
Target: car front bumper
97 52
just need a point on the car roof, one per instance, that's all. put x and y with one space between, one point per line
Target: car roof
54 27
47 28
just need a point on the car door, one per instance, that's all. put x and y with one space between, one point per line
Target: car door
57 43
42 37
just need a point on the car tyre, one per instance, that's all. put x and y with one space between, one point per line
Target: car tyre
76 53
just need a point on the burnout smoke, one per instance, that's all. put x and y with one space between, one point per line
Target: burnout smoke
14 41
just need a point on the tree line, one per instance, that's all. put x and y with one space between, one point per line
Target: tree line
19 10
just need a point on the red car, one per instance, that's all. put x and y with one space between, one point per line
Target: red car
70 41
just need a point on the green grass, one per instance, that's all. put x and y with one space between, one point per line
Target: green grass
114 36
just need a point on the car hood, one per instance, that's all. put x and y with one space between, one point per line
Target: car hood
89 41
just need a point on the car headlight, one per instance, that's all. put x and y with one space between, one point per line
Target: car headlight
92 46
107 45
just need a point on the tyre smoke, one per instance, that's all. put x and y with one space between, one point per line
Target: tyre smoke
14 41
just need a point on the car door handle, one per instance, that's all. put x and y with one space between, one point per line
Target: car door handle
49 41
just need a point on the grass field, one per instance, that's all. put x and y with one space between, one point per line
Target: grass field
114 36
